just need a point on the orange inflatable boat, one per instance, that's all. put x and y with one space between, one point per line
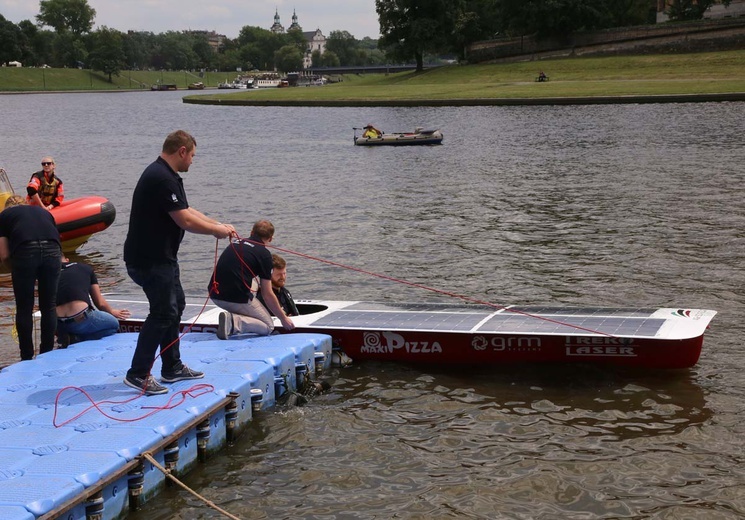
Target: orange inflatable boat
78 219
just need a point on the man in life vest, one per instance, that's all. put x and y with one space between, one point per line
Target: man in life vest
45 188
371 131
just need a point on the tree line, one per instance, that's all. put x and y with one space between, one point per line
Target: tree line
72 42
411 31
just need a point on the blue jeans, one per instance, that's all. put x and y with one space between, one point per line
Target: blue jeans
31 262
95 325
162 286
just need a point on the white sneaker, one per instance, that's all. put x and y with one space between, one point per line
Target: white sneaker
224 325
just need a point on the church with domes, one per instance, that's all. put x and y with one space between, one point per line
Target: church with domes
315 40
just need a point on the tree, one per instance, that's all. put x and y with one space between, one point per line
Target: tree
138 49
108 52
258 46
288 58
344 45
176 52
552 18
74 16
411 28
11 40
691 9
204 51
330 59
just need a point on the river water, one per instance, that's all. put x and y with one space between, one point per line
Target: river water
620 205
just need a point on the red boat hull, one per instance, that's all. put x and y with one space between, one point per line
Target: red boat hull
442 348
442 334
77 219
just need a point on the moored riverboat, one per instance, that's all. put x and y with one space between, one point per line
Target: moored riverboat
463 334
164 86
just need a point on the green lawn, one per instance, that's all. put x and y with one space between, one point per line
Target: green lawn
33 79
672 74
704 73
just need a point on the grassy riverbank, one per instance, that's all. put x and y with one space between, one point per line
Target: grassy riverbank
657 75
24 79
654 75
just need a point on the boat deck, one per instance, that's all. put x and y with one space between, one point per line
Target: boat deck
63 456
631 322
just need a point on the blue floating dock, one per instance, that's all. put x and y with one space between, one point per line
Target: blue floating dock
91 464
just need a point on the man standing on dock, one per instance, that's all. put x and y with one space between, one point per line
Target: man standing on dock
160 215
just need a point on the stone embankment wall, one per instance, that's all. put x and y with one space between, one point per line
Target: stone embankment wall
706 35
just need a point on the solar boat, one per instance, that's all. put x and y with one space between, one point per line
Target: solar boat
462 334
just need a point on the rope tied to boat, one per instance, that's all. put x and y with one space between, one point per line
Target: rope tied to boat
435 290
148 456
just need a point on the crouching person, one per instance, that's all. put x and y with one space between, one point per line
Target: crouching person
77 318
244 267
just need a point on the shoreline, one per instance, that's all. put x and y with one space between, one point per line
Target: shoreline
579 100
464 102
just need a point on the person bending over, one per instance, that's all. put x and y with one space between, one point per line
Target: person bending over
244 267
29 238
77 318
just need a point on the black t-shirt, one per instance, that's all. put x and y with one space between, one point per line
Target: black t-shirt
285 301
24 223
75 282
238 265
153 236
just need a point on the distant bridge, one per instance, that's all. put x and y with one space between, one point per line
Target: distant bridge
371 69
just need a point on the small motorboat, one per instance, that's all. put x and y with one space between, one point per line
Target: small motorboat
418 136
470 334
76 219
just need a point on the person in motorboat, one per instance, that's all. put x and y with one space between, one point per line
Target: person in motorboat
159 218
371 131
29 237
244 267
77 318
279 278
44 188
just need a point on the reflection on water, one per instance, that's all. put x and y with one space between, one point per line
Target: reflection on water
523 442
599 205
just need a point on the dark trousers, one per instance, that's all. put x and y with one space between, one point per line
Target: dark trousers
162 286
32 262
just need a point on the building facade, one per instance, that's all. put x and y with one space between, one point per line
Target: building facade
315 40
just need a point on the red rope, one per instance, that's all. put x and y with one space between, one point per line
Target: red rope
194 391
439 291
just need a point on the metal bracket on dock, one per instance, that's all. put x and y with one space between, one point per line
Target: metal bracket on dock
301 369
320 359
257 398
231 417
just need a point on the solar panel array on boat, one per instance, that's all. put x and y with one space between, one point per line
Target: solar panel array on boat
400 320
572 325
524 320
